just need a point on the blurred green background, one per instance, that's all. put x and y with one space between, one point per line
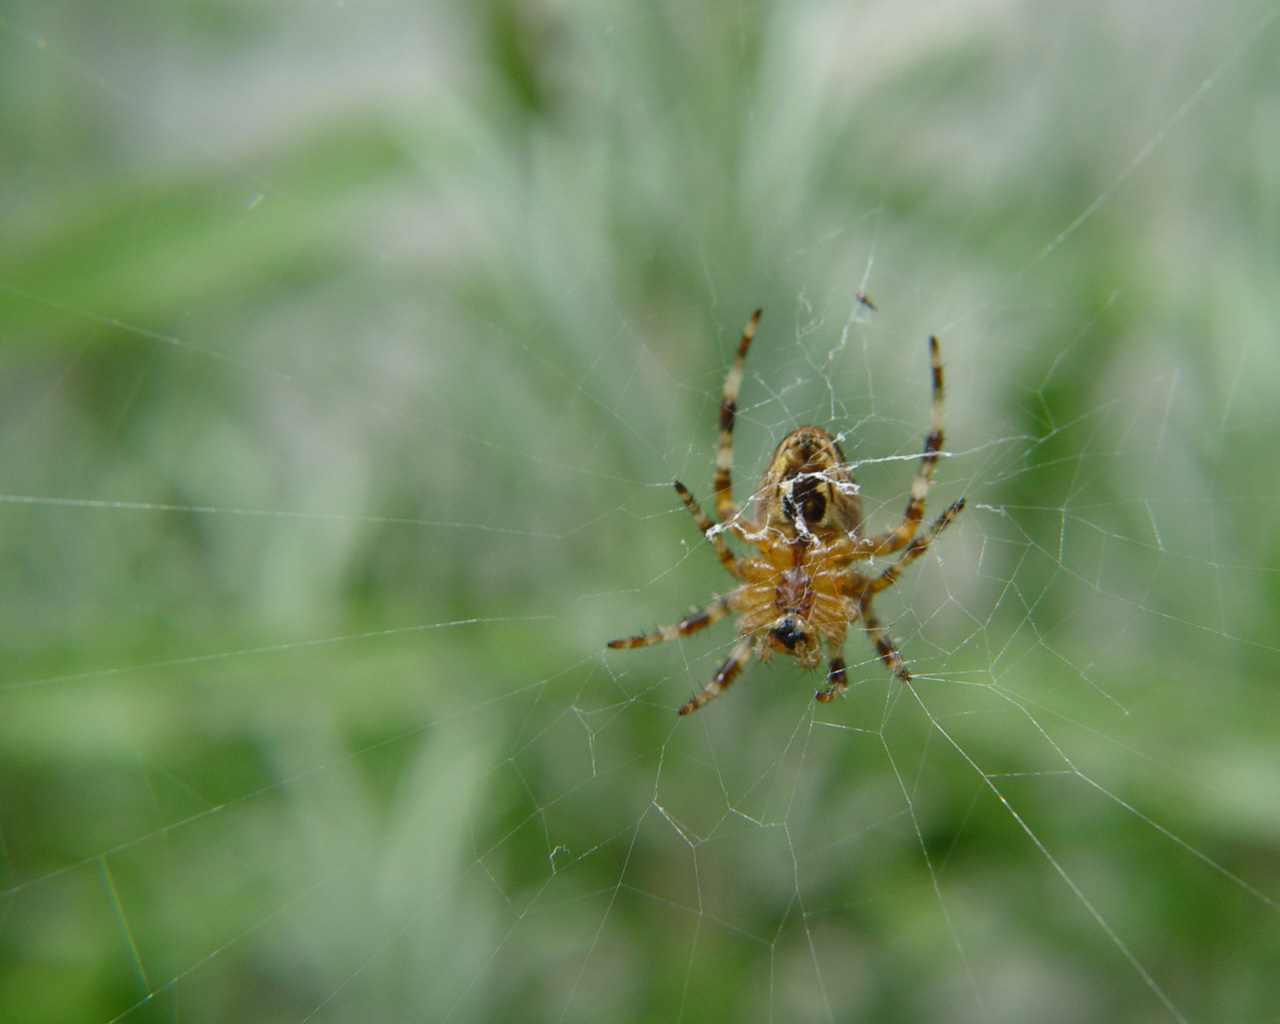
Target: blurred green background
348 352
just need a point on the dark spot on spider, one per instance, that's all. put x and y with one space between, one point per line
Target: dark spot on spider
814 506
806 501
788 634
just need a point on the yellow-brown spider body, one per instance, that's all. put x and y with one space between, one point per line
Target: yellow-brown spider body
802 593
807 490
794 600
793 610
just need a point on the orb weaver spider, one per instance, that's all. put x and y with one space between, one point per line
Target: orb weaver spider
804 590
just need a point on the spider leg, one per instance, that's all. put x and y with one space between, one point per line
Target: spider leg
880 638
727 558
725 507
836 681
918 546
885 646
898 538
691 623
725 674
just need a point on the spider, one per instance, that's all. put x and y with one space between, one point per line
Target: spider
803 591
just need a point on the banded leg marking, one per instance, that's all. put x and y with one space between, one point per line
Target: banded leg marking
898 538
889 654
918 546
725 507
837 681
725 674
727 558
691 623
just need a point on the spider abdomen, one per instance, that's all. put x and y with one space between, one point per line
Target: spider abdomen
808 491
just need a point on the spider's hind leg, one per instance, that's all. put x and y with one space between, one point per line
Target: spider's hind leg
727 557
898 538
723 480
918 546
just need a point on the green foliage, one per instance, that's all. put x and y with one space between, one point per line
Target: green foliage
346 356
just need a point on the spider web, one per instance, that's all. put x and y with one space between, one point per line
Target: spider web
341 410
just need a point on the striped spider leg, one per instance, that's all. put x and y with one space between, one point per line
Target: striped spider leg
801 593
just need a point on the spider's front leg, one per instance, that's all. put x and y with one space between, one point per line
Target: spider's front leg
701 618
879 637
725 674
837 682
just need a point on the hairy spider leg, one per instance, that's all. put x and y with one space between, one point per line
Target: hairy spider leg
836 680
727 558
898 538
725 507
725 674
880 638
701 618
918 546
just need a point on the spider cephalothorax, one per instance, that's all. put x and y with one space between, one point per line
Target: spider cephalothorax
803 592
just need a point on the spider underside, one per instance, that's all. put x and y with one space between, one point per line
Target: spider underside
803 592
